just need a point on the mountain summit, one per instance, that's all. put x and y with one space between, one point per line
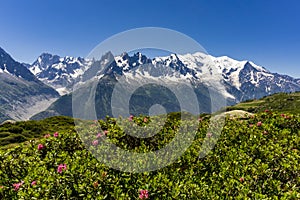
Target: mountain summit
22 94
59 72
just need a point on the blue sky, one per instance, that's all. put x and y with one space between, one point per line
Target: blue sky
264 31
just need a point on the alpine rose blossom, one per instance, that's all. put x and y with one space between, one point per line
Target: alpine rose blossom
287 117
143 194
40 147
18 185
105 132
55 134
145 119
47 136
130 118
33 183
259 123
61 167
95 142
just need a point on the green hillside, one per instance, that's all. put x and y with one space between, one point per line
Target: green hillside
255 158
13 133
281 102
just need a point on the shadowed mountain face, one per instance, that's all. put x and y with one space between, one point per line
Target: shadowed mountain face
22 94
234 80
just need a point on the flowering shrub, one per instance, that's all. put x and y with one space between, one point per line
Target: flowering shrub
40 147
95 142
61 167
55 134
259 123
143 194
248 162
33 183
18 185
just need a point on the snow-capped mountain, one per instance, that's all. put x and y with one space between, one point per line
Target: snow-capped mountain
235 80
242 79
59 72
22 94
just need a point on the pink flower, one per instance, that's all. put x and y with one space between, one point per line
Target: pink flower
106 132
209 135
33 183
55 134
250 125
40 147
1 186
145 119
47 135
242 179
130 118
99 135
266 110
200 119
143 194
259 123
282 115
265 132
18 185
95 142
61 167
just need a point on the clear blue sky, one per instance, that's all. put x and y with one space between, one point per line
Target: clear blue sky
264 31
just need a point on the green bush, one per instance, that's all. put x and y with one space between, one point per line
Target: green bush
254 158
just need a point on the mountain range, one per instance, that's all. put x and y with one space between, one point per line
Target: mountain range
52 75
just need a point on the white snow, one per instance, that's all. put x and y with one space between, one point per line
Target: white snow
62 91
259 68
5 69
35 69
59 66
122 63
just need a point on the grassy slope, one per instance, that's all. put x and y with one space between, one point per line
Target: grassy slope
12 134
281 102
